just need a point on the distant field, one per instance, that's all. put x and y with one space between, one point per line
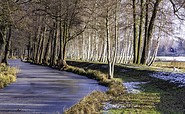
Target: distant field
170 62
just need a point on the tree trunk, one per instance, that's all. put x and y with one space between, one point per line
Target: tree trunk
108 47
29 48
7 47
2 37
34 48
42 46
143 57
54 56
156 48
62 61
155 53
48 48
150 32
38 44
60 42
140 41
135 44
111 60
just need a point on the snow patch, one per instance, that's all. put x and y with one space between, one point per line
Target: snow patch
133 87
172 77
109 105
166 58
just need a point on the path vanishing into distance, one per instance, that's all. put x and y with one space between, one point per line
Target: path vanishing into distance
42 90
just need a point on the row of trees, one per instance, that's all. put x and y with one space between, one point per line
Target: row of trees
120 31
8 10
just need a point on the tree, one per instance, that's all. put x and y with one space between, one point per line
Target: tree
7 10
149 32
7 47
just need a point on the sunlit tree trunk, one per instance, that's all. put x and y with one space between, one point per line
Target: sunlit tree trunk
112 53
108 49
150 32
42 46
39 37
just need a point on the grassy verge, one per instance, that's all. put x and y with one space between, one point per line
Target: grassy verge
92 103
158 97
7 75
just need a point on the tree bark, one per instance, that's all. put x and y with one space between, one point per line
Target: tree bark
140 40
48 48
7 47
29 48
42 46
135 41
143 58
39 37
150 32
54 55
2 38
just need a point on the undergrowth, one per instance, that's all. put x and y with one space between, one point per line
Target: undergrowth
90 104
7 75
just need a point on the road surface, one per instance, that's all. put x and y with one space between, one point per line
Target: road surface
43 90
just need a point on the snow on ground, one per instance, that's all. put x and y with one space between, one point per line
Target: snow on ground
167 58
109 105
172 77
133 87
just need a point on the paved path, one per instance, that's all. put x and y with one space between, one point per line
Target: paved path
43 90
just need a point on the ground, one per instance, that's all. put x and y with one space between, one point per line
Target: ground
135 89
157 96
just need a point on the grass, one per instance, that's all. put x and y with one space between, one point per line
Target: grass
7 75
171 97
115 86
134 111
170 64
158 96
91 104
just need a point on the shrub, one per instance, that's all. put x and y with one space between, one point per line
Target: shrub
7 75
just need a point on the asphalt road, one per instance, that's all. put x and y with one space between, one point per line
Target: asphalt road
43 90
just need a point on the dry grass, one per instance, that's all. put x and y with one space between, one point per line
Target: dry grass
171 64
92 74
90 104
7 75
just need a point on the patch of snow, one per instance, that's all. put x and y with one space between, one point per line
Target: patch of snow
167 58
108 106
133 87
173 77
